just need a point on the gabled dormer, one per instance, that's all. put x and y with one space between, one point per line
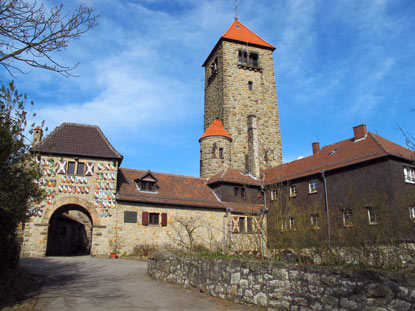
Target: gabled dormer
147 182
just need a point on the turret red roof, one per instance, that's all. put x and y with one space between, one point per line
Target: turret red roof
239 32
216 129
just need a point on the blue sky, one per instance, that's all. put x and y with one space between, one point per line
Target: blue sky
338 63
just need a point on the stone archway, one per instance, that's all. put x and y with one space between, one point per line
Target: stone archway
70 225
88 206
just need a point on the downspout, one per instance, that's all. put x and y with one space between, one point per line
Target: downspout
263 211
225 216
327 204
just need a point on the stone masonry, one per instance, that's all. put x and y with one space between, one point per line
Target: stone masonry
95 194
284 287
228 98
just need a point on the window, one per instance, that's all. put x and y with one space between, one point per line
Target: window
146 185
245 225
238 191
248 58
130 217
274 194
71 168
314 220
412 212
291 223
80 168
293 190
250 84
214 66
253 59
347 217
242 57
312 186
249 224
372 213
153 218
220 153
242 225
409 174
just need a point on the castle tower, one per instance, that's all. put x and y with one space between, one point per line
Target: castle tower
240 91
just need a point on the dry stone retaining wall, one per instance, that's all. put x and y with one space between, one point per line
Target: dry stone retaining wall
279 286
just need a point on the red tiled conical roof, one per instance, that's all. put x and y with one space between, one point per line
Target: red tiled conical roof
239 32
216 129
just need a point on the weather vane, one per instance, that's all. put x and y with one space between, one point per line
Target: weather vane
236 10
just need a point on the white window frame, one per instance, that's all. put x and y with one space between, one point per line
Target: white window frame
412 212
293 191
274 194
373 215
292 223
409 174
314 219
348 217
312 189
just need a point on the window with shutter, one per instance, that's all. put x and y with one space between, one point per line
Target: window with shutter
164 219
144 219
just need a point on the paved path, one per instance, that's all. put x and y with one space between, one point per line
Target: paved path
86 283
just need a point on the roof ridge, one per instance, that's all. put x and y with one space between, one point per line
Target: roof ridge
378 142
266 44
42 142
107 141
167 174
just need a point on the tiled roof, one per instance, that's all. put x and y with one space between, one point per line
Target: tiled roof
216 129
233 176
175 190
239 32
77 139
340 154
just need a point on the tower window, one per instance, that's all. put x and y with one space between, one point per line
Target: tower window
214 66
250 84
248 58
220 153
253 59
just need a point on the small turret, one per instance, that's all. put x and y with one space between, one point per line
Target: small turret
215 150
37 135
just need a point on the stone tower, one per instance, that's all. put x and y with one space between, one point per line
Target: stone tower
240 91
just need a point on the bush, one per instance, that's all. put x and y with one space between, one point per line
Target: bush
143 250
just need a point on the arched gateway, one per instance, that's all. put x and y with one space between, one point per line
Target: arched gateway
70 232
79 175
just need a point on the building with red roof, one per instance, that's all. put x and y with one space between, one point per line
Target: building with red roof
241 175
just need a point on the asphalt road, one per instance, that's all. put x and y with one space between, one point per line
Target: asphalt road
86 283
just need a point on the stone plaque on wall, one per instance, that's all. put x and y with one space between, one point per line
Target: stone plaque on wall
130 217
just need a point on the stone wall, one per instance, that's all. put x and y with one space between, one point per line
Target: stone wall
233 92
210 161
91 194
279 286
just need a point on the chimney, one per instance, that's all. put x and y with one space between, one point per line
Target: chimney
359 131
37 135
316 147
253 160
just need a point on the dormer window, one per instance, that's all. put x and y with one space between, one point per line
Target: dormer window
147 182
145 185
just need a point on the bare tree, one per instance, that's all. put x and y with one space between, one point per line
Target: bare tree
185 229
30 33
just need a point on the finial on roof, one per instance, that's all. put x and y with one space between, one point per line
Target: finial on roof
236 10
